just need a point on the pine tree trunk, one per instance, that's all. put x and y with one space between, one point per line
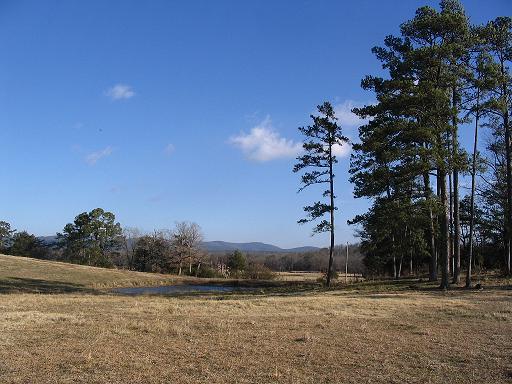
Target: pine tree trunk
508 209
410 254
508 157
400 266
395 274
431 233
444 241
394 257
450 207
331 247
456 223
456 215
473 185
411 272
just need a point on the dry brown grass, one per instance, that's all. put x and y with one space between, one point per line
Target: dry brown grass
316 337
322 337
298 276
314 276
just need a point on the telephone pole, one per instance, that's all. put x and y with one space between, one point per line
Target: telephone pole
346 266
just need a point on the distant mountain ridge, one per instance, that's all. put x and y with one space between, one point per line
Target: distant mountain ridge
222 246
225 246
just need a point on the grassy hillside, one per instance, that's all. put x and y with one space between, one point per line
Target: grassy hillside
23 274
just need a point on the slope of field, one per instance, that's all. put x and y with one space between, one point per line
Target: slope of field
23 274
340 336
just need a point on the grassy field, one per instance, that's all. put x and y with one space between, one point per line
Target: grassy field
339 336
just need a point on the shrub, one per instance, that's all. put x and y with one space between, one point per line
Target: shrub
237 261
206 272
257 271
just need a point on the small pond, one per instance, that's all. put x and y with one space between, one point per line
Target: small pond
178 289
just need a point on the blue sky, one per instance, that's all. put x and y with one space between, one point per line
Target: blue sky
166 111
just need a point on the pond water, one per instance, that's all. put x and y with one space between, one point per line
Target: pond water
177 289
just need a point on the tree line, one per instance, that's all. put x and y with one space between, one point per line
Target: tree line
314 261
95 238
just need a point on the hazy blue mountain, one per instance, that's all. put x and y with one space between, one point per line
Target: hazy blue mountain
48 239
224 246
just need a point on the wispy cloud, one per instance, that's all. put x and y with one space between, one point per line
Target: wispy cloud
120 92
169 149
93 157
346 118
349 122
263 143
157 198
115 189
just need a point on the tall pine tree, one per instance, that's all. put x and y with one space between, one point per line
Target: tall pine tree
322 139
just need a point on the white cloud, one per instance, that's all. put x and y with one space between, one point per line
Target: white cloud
345 116
120 91
93 157
169 149
341 150
263 143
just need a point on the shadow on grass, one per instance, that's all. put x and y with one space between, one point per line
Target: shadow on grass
24 285
376 290
382 289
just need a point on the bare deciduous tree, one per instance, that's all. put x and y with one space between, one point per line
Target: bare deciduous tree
186 239
130 236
